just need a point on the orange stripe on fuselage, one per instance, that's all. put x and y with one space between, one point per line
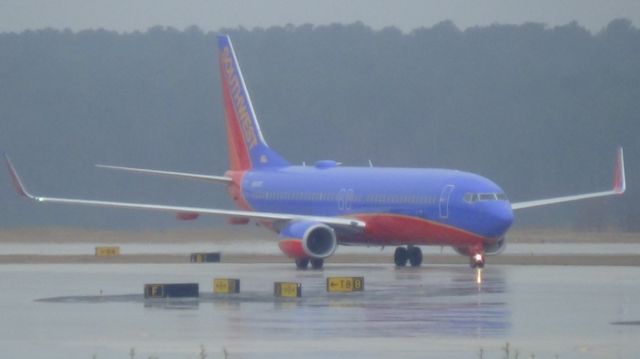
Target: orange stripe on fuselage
393 229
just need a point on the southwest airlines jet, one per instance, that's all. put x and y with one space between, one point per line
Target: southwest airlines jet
316 208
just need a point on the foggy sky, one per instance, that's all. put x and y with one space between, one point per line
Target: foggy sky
126 15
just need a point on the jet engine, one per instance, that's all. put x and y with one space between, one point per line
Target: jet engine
316 240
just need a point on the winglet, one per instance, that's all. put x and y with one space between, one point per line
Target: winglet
619 181
17 183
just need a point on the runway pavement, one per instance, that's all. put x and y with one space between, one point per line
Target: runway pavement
79 310
507 259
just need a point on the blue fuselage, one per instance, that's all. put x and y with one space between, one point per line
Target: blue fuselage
453 199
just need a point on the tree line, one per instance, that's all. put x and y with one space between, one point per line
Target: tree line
537 109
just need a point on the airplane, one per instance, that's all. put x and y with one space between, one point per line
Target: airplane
315 208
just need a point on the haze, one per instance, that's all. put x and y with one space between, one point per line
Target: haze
537 108
126 16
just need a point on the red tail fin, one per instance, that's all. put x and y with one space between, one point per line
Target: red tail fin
247 147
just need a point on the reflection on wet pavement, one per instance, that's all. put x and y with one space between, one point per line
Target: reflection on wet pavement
442 311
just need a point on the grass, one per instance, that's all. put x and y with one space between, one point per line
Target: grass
508 352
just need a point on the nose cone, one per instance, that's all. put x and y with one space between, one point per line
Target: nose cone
499 218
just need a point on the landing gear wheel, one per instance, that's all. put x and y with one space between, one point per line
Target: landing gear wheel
415 256
400 257
302 263
317 263
477 261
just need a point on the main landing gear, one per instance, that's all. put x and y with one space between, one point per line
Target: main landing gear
411 254
303 263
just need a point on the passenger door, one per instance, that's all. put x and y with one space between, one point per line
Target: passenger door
444 200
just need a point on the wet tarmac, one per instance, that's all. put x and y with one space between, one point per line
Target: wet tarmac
82 311
271 248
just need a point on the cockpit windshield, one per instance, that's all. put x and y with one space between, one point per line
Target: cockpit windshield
470 197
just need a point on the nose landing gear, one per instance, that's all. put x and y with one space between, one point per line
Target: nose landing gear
477 261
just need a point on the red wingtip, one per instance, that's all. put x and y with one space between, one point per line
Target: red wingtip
15 178
619 181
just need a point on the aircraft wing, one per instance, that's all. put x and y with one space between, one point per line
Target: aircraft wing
267 216
195 176
619 186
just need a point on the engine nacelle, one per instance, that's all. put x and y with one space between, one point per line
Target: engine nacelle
317 240
490 249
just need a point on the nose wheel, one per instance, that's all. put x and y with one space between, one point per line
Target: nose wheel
410 254
477 261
